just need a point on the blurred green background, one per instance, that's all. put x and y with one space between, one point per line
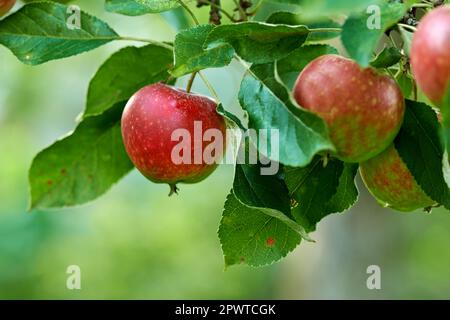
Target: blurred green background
137 243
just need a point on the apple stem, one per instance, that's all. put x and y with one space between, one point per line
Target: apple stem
173 189
191 82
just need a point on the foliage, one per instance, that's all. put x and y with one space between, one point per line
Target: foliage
265 217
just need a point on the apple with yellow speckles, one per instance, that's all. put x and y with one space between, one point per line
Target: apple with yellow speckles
5 6
389 180
430 54
363 109
173 136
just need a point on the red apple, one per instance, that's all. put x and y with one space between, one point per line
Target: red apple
430 54
363 109
389 180
166 132
5 6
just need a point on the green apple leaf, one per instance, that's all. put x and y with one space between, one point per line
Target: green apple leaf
290 67
250 236
363 31
418 144
140 7
39 32
405 82
387 58
81 166
124 73
177 18
445 112
258 42
295 19
320 8
301 134
407 40
190 55
321 190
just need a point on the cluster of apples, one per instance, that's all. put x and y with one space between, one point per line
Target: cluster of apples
363 109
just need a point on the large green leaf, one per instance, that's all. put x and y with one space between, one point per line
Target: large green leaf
290 67
140 7
258 42
329 7
190 55
266 193
249 236
124 73
301 134
419 145
295 19
361 36
83 165
320 191
38 32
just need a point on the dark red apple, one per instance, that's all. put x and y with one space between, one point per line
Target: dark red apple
5 6
363 109
168 134
430 54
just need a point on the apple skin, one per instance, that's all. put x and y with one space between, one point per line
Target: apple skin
363 109
389 180
148 120
5 6
430 54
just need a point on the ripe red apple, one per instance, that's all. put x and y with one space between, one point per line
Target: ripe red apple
389 180
166 132
363 109
430 54
5 6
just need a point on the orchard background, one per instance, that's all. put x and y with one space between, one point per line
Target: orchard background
135 242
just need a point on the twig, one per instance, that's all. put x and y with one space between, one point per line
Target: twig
191 82
209 86
413 29
214 13
161 44
189 11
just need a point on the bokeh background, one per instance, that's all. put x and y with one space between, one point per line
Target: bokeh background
137 243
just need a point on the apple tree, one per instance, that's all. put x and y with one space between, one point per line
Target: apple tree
338 87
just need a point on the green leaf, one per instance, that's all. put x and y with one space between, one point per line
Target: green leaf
319 8
361 34
38 33
140 7
231 118
177 18
420 148
258 42
249 236
124 73
320 191
83 165
294 19
407 40
405 83
267 193
301 134
290 67
387 58
190 55
445 111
